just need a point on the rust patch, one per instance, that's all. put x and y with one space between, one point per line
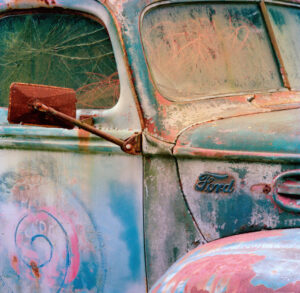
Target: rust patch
15 264
88 119
162 100
35 269
24 95
260 188
267 189
47 2
291 99
84 139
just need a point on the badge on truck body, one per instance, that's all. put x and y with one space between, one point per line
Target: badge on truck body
212 182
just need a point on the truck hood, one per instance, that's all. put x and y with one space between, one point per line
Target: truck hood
272 132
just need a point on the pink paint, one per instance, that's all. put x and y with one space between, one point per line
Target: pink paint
233 272
218 141
234 239
75 257
41 223
162 100
288 201
74 245
226 273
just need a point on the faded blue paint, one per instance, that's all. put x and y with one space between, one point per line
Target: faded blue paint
124 207
180 288
110 245
87 275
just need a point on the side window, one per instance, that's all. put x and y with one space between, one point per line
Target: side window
66 50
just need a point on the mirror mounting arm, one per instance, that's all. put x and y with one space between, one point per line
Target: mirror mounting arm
131 145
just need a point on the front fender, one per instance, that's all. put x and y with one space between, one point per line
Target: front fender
265 261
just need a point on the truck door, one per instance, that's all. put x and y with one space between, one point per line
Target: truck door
70 202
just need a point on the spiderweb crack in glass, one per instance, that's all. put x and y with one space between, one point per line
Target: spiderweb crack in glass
62 50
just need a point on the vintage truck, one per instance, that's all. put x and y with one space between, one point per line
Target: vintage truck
194 106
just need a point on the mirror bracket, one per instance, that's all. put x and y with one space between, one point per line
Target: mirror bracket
51 106
131 145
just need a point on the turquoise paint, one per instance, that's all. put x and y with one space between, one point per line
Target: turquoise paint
87 276
232 218
124 208
242 172
232 213
137 62
252 133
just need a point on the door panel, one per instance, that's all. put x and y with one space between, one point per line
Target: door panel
71 222
70 203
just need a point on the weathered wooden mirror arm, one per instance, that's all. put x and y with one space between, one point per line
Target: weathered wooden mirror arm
131 145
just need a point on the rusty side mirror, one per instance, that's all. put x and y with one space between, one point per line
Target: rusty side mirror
23 96
51 106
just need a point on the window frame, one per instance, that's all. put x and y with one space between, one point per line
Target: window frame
127 105
62 11
156 5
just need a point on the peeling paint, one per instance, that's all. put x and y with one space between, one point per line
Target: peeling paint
253 262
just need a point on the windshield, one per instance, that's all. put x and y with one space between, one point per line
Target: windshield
200 50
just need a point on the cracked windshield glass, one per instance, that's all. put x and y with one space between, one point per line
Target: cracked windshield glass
200 50
64 50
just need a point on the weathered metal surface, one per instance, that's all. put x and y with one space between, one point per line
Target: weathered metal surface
170 230
131 145
188 201
245 203
164 119
266 261
73 219
252 133
286 192
51 139
66 227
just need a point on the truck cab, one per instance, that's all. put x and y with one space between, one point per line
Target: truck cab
182 173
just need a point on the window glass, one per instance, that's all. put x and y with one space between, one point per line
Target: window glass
209 49
286 26
65 50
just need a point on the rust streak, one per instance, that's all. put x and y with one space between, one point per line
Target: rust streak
15 264
84 139
35 269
